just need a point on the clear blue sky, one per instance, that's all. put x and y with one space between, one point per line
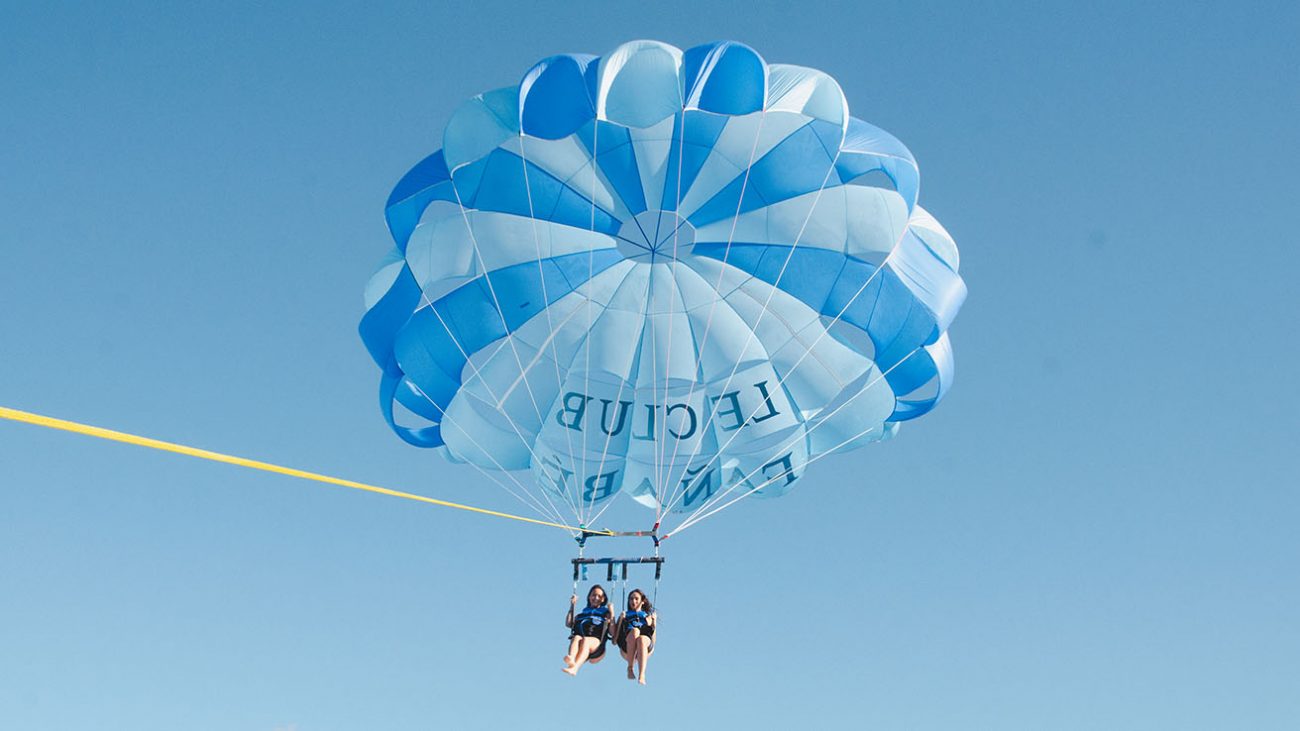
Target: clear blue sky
1096 530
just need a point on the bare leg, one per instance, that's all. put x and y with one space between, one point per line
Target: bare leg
587 645
626 656
644 651
633 647
574 642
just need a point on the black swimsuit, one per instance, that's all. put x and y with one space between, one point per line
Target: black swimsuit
590 622
631 621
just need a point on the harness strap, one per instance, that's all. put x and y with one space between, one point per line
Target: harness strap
658 570
576 572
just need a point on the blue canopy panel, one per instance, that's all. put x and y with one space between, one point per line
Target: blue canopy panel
556 96
800 163
899 305
503 181
867 149
423 184
431 346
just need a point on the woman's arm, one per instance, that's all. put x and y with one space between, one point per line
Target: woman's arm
568 618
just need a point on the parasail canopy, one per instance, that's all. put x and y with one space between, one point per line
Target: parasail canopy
682 276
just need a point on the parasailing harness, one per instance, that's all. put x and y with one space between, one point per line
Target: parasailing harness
581 563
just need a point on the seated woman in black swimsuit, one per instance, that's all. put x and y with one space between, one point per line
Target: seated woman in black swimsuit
590 627
636 631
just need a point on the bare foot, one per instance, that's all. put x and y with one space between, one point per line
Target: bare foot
570 671
641 679
568 660
631 675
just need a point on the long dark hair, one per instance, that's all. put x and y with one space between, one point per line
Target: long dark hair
603 594
645 601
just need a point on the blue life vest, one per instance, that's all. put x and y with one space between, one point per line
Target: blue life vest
635 620
590 617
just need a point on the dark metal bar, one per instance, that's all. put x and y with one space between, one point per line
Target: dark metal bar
581 564
647 559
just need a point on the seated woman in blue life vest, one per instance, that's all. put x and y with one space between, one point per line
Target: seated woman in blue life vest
590 628
636 631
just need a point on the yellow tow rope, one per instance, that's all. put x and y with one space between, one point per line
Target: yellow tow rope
117 436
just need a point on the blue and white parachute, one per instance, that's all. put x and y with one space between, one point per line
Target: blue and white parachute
680 275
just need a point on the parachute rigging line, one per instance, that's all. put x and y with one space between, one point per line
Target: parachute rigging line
580 511
535 504
496 302
711 506
117 436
